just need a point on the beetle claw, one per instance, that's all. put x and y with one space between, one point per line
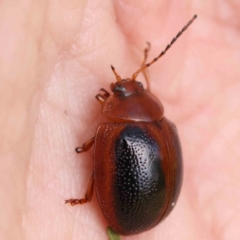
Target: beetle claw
79 150
74 202
71 201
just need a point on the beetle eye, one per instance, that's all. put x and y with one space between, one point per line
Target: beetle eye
140 84
119 88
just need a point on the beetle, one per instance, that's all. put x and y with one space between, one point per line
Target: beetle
137 155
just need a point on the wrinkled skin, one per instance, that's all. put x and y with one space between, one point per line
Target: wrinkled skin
54 57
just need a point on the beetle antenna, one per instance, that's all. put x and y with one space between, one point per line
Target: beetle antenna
165 50
115 73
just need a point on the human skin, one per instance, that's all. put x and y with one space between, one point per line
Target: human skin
55 56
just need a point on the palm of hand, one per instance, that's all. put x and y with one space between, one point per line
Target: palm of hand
56 57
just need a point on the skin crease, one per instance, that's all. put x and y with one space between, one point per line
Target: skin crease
55 56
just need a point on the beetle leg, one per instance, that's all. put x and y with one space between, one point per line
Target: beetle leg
101 99
106 94
86 146
88 195
146 50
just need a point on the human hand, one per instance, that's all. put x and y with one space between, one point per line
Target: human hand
55 56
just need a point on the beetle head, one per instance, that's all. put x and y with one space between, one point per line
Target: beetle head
126 87
131 102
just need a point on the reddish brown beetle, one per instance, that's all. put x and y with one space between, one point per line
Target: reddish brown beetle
137 156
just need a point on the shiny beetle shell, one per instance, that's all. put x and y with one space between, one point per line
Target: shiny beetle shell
137 164
138 178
